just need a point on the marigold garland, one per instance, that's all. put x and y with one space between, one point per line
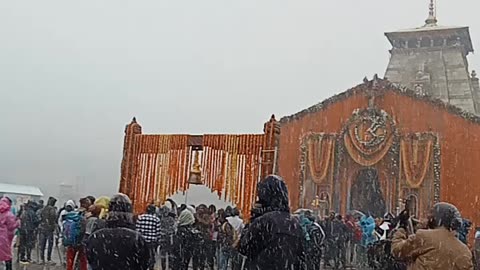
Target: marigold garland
162 164
416 154
320 153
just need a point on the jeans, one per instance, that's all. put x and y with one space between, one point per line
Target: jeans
224 258
46 237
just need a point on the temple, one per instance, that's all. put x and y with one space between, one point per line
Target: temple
432 60
408 140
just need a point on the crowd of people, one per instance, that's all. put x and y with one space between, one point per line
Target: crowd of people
104 234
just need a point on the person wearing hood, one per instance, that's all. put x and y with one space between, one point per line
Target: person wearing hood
203 223
8 224
436 247
48 217
186 241
118 246
29 224
275 239
67 208
167 232
74 227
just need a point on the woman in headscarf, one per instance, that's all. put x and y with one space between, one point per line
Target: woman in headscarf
103 202
8 224
185 241
118 246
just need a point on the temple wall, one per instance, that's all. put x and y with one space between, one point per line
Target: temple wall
458 138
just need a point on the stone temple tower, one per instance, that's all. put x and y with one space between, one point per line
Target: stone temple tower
432 60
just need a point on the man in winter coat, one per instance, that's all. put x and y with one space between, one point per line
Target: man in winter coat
203 223
435 248
275 239
29 224
8 224
118 246
167 232
340 238
148 225
330 247
48 217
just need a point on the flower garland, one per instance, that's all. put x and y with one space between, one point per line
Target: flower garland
231 167
320 154
159 169
416 154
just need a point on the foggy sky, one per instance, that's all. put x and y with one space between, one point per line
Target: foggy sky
73 73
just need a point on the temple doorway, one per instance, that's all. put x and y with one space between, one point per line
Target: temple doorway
366 194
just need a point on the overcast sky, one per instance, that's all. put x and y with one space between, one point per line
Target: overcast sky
73 73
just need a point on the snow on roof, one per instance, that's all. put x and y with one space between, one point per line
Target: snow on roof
426 28
20 189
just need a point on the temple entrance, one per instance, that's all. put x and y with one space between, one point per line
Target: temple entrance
366 194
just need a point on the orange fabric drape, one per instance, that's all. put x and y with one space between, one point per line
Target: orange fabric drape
416 153
320 153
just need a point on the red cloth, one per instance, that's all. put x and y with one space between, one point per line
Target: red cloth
82 257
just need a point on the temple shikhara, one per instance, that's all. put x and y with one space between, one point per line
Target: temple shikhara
409 139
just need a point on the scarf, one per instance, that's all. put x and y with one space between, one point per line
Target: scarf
186 218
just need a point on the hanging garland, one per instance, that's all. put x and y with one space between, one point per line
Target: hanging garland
320 154
231 167
416 154
160 168
162 164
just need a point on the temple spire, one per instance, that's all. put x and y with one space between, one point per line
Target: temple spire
432 15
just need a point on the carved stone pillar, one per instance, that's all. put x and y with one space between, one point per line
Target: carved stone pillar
270 146
127 169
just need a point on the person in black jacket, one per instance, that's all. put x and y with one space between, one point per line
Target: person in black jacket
48 217
274 240
29 224
118 246
186 241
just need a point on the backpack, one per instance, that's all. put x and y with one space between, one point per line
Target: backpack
231 235
72 229
317 235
